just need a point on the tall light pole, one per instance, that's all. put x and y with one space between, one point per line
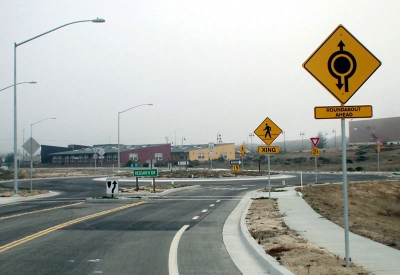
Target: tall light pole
334 131
183 140
251 135
119 160
284 141
302 135
32 146
97 20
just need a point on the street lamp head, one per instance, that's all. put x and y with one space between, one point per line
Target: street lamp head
33 82
98 20
150 104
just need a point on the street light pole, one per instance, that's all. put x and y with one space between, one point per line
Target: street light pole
334 131
183 140
119 160
97 20
302 134
251 135
32 146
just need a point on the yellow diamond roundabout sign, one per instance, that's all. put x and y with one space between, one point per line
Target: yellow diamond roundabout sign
341 64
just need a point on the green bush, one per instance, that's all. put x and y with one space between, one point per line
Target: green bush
359 168
360 152
362 159
349 161
351 169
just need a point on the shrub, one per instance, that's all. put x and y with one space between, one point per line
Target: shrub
349 161
360 152
362 159
351 169
359 168
324 160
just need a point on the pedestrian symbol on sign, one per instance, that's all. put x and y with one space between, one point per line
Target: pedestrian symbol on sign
267 130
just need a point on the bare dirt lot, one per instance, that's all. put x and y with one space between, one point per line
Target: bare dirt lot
374 212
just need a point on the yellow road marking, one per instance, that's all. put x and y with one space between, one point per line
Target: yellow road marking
38 211
54 228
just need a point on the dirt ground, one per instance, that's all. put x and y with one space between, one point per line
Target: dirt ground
380 223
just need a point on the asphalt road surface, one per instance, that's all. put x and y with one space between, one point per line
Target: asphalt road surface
64 234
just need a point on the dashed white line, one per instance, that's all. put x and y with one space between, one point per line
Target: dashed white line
204 211
212 205
195 217
218 200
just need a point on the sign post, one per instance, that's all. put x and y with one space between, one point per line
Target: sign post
242 150
342 65
315 153
268 131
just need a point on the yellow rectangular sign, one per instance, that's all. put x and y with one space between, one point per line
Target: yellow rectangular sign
332 112
268 150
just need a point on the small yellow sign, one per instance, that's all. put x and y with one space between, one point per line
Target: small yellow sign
235 168
315 152
341 64
268 131
268 150
339 112
378 149
242 148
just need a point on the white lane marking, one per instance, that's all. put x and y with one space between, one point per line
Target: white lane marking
212 205
195 217
173 252
248 185
204 211
218 200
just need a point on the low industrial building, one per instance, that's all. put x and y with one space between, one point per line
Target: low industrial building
201 152
137 153
370 131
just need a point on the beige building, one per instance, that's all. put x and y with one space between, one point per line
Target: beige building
201 152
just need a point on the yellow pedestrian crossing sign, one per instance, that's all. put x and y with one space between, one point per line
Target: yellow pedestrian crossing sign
242 149
268 131
341 64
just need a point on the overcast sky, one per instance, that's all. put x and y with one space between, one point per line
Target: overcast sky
208 67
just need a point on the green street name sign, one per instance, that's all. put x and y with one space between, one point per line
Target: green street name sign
145 173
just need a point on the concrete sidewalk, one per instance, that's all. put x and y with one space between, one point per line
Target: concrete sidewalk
11 200
299 216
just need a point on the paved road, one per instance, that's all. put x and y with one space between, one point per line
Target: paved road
120 239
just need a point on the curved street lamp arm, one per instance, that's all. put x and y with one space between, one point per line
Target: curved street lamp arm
30 82
97 20
134 107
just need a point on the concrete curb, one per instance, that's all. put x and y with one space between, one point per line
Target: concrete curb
245 252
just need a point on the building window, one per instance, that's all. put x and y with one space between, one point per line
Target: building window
109 158
158 156
115 158
200 156
133 157
80 159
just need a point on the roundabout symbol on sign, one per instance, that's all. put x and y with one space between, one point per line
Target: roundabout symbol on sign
342 64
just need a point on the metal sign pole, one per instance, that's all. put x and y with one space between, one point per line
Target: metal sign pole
346 210
316 175
269 179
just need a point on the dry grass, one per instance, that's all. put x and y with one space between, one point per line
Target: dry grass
374 208
266 225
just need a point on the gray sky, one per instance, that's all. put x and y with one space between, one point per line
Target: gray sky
208 67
